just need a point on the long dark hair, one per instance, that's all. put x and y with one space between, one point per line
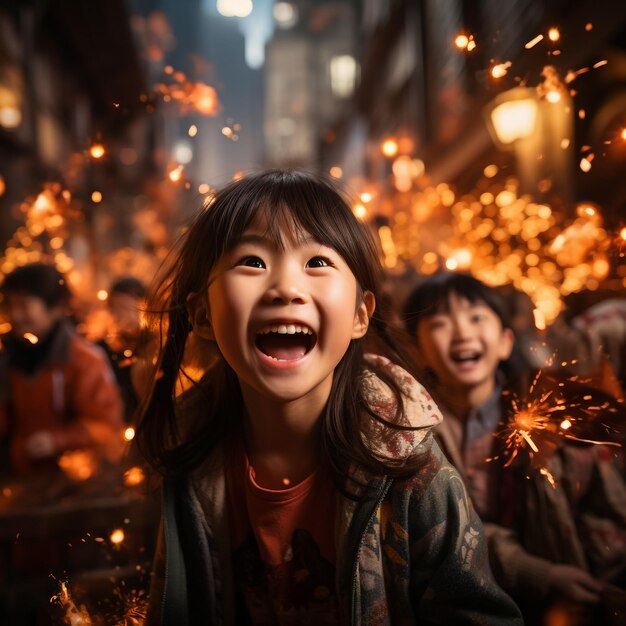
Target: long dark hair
310 204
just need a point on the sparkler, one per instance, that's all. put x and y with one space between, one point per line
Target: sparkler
538 423
74 616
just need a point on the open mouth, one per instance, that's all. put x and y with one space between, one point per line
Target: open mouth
466 356
285 342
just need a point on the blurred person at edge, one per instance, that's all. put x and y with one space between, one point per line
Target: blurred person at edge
553 548
593 342
59 393
126 342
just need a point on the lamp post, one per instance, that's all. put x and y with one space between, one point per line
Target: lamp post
536 124
512 123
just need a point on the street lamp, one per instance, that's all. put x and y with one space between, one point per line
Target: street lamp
513 116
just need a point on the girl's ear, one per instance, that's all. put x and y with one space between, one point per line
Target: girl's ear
198 310
506 345
363 313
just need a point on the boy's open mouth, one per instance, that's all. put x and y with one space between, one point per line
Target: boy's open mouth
285 342
466 356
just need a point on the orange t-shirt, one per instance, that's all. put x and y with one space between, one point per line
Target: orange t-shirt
283 547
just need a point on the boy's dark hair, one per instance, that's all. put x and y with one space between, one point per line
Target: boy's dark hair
130 286
285 199
432 296
39 280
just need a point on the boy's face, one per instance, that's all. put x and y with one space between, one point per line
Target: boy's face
29 314
465 344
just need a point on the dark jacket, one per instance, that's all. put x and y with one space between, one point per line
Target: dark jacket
413 553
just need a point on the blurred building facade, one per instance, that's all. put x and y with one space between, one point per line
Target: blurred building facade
310 74
420 89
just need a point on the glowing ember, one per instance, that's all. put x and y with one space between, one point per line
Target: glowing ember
336 172
96 196
553 96
360 211
286 482
599 64
566 424
134 476
97 151
129 433
545 472
461 41
32 338
366 197
117 536
102 295
585 164
193 130
3 186
554 34
500 70
74 616
389 147
533 42
175 174
623 134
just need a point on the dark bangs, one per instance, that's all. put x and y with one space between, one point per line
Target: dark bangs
433 296
299 202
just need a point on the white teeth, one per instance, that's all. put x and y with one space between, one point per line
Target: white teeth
466 355
286 329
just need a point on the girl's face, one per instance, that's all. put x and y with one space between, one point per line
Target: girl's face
465 344
283 317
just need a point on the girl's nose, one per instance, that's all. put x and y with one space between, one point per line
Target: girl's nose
286 287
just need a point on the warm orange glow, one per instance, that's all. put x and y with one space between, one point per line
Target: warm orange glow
622 233
175 174
566 424
129 433
461 41
96 197
203 188
471 45
585 164
78 464
32 338
553 96
97 151
366 197
117 536
554 34
134 476
336 171
193 130
533 42
102 295
389 147
360 211
3 186
500 70
623 134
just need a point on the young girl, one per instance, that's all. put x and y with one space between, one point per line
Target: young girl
302 484
548 540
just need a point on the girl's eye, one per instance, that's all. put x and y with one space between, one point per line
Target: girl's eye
252 261
318 261
478 317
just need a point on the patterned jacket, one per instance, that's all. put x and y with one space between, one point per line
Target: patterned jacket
415 553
